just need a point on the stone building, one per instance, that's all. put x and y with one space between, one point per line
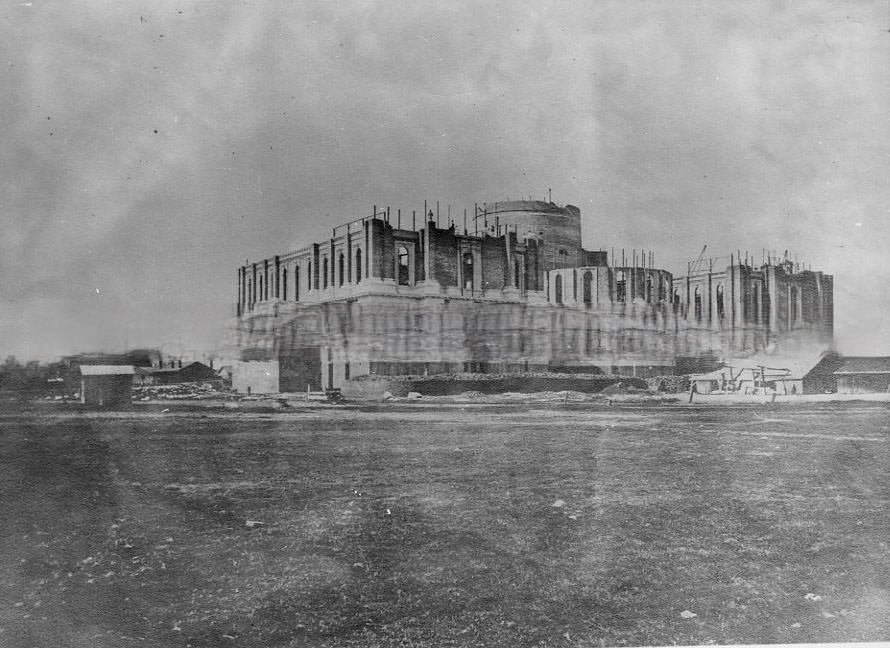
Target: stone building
519 293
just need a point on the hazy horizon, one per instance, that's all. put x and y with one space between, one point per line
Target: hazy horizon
147 151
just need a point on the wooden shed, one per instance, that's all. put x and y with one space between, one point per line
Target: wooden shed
106 384
863 375
192 372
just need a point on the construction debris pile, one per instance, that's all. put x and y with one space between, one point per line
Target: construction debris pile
668 384
181 391
489 377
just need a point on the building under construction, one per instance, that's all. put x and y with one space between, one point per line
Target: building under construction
514 292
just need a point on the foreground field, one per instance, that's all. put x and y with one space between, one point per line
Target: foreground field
445 526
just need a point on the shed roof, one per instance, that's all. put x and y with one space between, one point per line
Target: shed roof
864 365
107 370
175 370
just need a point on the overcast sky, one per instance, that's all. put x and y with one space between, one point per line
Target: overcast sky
148 148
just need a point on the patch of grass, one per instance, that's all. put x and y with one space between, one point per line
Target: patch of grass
445 526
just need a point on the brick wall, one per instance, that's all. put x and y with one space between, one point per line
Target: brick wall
534 272
443 250
494 262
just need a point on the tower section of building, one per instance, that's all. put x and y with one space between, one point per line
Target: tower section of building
558 227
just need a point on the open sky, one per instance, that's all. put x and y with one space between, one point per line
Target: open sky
148 148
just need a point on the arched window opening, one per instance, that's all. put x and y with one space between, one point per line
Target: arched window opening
358 265
721 309
325 269
662 290
676 301
587 287
309 276
558 289
250 299
260 283
467 271
296 283
516 277
698 304
649 288
792 306
341 268
284 284
620 286
403 266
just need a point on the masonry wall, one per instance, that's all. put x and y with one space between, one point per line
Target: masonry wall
494 262
443 255
255 377
315 273
534 268
383 251
767 309
429 335
419 258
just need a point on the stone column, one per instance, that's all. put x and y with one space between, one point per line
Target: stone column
316 267
277 276
820 302
509 279
460 268
265 295
370 252
349 276
772 295
333 267
799 304
427 255
238 291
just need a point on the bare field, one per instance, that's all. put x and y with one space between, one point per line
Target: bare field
420 525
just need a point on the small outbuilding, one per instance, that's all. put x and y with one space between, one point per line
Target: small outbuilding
106 384
821 379
192 372
863 375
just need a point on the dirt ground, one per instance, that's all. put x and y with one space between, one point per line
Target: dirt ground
445 525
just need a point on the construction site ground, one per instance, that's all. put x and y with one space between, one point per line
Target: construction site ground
460 524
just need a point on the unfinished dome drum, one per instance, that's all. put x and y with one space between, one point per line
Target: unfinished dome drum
558 227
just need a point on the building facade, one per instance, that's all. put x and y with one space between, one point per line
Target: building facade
106 384
863 375
518 294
